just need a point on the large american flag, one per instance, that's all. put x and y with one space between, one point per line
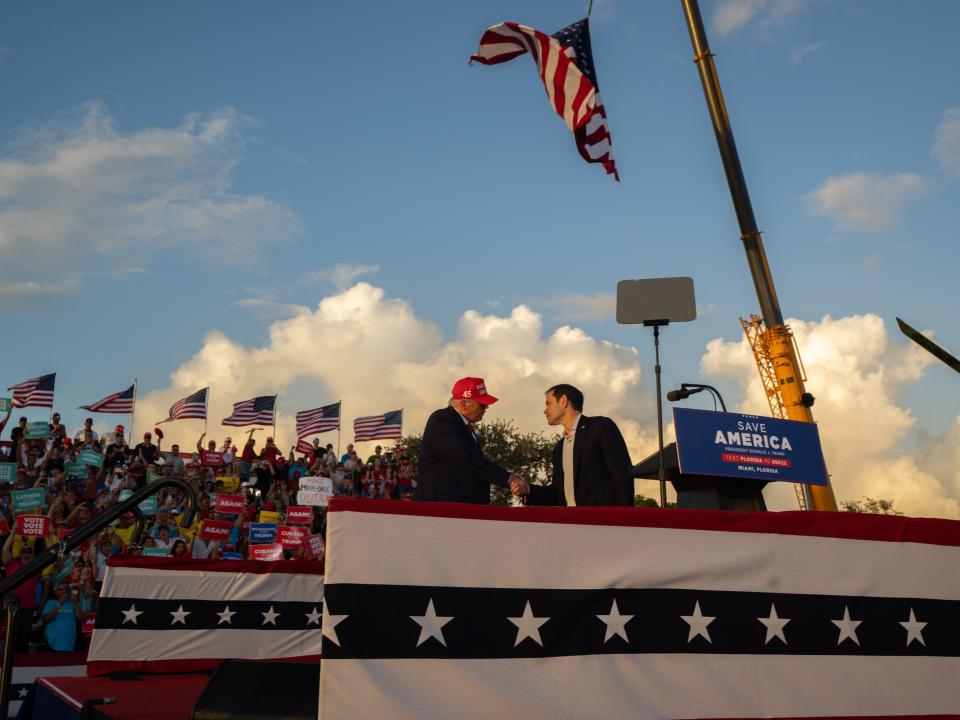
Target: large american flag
191 407
256 411
318 420
565 65
174 615
36 392
379 427
594 612
121 402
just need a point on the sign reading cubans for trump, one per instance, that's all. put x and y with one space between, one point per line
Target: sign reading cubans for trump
291 536
750 447
33 525
230 504
269 552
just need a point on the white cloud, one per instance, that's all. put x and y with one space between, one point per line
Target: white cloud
732 15
272 307
571 307
342 275
856 374
946 146
80 193
864 202
18 295
797 56
375 354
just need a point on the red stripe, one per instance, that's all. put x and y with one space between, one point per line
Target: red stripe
848 526
49 659
258 567
585 87
102 667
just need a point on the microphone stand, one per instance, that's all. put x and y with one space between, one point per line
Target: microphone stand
656 324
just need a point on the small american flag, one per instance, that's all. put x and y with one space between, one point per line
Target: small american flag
565 65
36 392
121 402
379 427
191 407
257 411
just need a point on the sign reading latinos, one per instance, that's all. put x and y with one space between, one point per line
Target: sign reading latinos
155 551
315 491
8 472
37 430
33 525
76 469
6 405
90 457
749 447
149 506
32 499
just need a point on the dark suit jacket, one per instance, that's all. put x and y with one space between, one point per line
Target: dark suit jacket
452 467
600 465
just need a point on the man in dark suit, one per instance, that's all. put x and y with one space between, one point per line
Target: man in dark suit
590 461
452 466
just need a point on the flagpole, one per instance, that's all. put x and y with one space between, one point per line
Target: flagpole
589 8
206 410
133 407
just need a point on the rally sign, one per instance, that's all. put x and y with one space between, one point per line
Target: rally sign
76 469
315 491
230 484
212 459
8 472
155 551
125 494
750 447
291 536
299 515
269 516
32 499
90 457
6 405
215 529
229 504
261 533
89 622
149 506
33 525
153 476
269 552
314 545
37 430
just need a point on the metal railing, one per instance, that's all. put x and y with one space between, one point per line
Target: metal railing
76 538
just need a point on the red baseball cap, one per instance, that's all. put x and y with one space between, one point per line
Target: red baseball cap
472 388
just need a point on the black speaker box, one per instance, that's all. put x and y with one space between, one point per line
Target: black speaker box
256 690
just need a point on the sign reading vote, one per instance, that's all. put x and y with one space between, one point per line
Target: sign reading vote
90 457
749 447
314 545
33 525
261 533
32 499
315 491
37 430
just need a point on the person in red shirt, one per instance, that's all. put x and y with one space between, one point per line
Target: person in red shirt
27 592
271 452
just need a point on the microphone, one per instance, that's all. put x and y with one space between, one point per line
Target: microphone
682 393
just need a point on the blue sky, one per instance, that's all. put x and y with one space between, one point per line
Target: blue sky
172 169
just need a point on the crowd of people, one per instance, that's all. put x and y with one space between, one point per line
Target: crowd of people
56 602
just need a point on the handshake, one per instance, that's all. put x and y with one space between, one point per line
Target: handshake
519 486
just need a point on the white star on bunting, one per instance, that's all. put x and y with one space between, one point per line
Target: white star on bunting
528 626
180 616
615 622
270 617
698 624
848 627
431 625
226 616
774 625
23 692
313 617
330 623
914 629
131 615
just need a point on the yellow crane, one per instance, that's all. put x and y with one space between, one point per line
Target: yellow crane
773 343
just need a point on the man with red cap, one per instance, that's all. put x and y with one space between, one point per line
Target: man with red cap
452 466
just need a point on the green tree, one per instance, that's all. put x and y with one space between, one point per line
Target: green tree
528 454
641 500
870 505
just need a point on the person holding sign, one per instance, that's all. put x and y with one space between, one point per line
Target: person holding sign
453 467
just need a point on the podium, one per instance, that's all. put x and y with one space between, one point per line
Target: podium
703 492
